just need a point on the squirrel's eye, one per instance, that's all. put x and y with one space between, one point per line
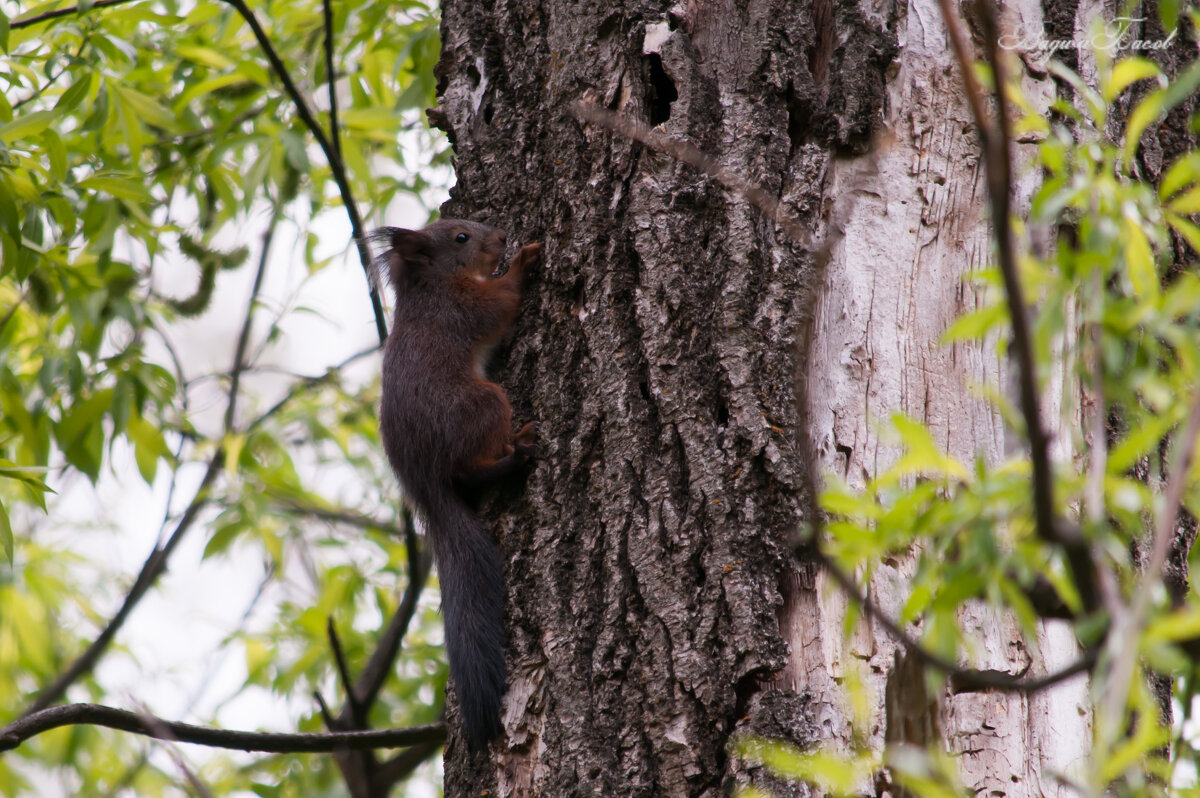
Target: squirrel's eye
462 238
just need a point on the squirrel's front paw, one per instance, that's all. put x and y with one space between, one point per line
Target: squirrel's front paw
529 255
525 441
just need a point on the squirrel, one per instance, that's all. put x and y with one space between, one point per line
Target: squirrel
447 431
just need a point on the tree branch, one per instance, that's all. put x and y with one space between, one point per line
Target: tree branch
17 24
29 726
682 151
310 122
995 143
331 157
356 520
306 383
402 765
334 132
379 667
52 79
154 565
961 679
354 708
1125 644
239 355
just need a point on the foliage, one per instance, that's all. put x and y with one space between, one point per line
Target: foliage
1117 308
138 145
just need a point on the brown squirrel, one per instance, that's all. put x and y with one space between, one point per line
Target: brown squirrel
448 431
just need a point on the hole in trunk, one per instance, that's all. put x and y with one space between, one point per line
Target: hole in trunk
661 91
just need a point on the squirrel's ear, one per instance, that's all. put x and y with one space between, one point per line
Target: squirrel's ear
408 251
412 245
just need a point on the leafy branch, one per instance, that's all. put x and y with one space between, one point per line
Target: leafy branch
994 139
330 150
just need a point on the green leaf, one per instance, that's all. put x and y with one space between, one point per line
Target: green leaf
922 455
1129 71
27 125
1139 258
80 435
148 446
205 87
4 29
1185 228
1187 203
1139 441
1184 171
1156 104
369 119
120 187
6 535
1168 14
205 55
224 535
56 152
976 324
74 95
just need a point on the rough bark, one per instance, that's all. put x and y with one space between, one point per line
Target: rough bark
679 355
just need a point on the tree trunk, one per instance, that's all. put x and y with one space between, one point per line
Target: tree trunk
691 369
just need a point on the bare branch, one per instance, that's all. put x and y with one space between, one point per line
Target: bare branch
32 725
347 517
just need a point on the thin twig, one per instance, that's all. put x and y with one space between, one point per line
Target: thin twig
13 310
17 24
335 136
379 666
161 732
152 568
682 151
356 520
83 42
326 715
1124 644
335 165
995 143
29 726
305 384
356 709
961 679
239 356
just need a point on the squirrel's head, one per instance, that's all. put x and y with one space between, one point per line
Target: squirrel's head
443 248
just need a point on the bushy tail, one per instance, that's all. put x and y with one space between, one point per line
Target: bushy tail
472 582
